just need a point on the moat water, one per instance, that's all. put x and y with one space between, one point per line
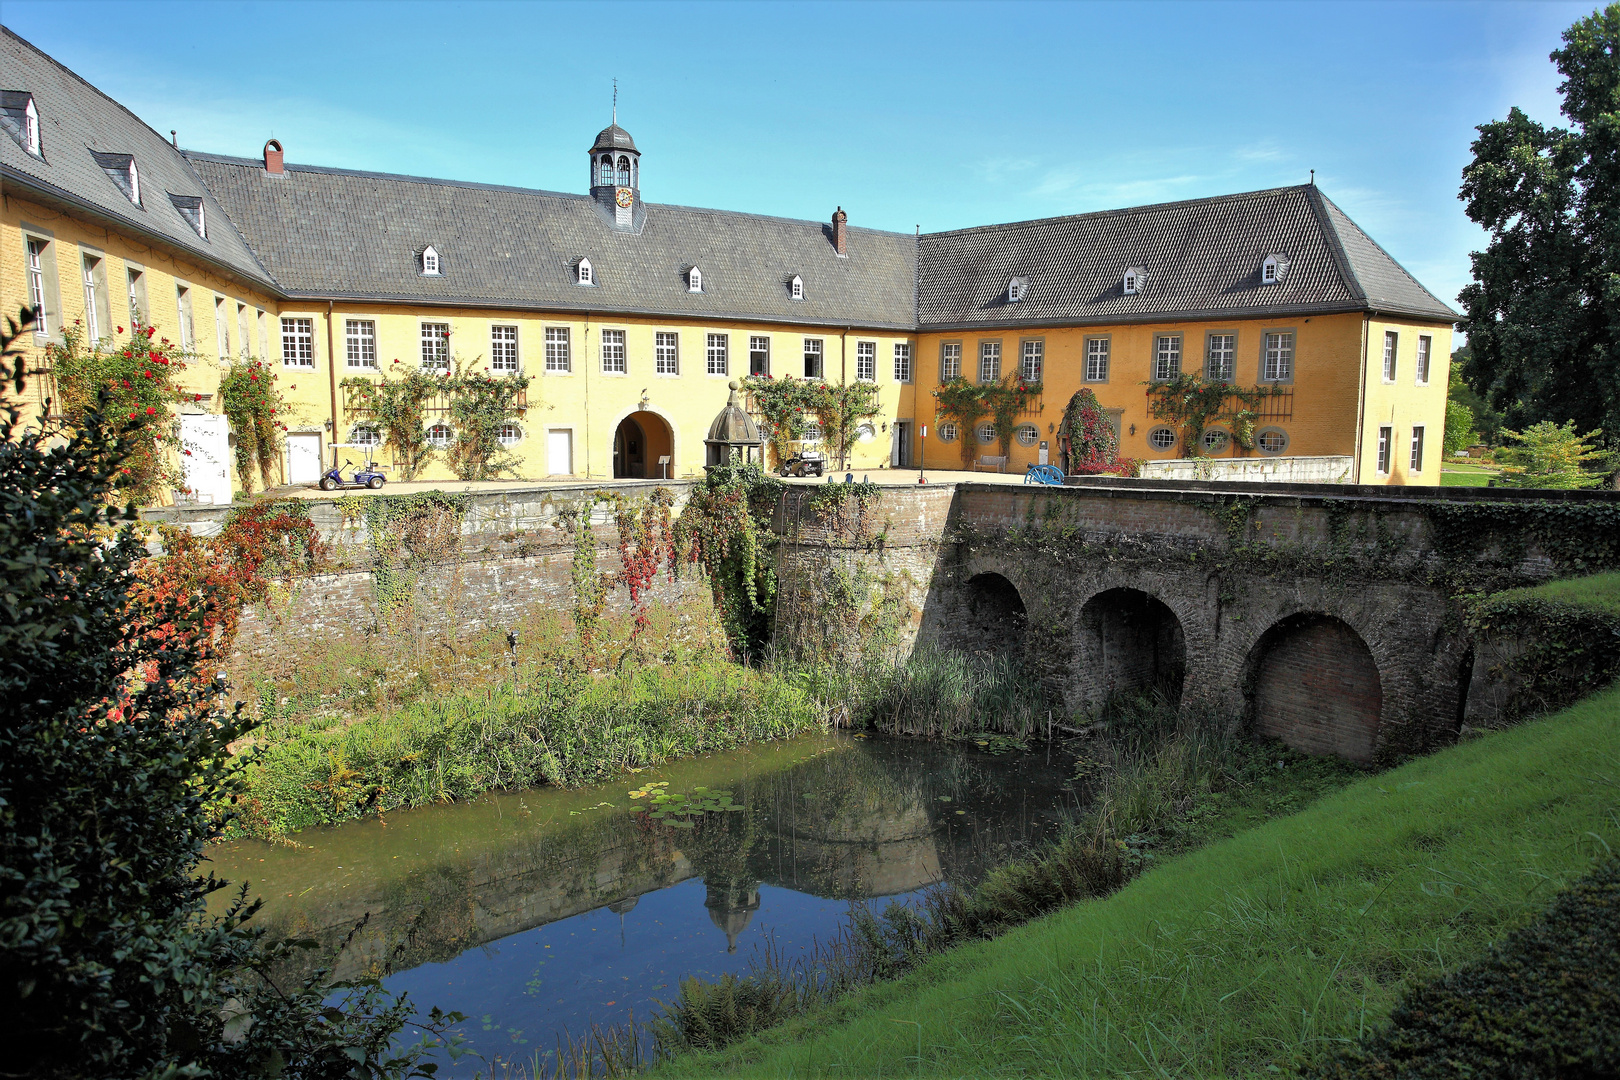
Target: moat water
547 911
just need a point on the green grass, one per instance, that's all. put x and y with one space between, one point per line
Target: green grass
1599 592
1252 955
1466 476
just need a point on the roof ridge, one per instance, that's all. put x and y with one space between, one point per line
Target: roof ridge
1117 212
1341 257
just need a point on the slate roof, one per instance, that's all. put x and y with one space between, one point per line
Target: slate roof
1202 259
77 121
339 233
613 137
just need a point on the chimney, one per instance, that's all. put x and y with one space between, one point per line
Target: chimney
840 224
272 158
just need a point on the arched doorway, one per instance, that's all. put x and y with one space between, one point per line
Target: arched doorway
1316 687
1136 645
993 616
640 444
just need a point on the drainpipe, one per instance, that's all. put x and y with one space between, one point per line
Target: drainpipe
331 378
1361 402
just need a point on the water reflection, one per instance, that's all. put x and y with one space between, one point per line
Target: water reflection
534 910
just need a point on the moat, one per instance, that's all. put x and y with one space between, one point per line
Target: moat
543 911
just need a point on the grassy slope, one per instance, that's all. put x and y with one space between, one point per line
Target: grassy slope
1600 592
1255 953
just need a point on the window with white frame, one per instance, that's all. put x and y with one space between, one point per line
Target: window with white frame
812 358
1391 344
559 358
1162 438
188 328
1273 269
902 361
1417 449
812 433
866 361
435 346
1386 439
694 280
1026 434
796 288
298 343
987 433
121 169
1425 344
430 261
584 273
1214 440
360 343
1220 357
440 436
613 358
20 118
36 284
1166 357
191 208
866 432
503 348
947 431
368 436
1133 281
759 355
950 361
1271 440
222 328
1016 288
137 288
1277 357
1032 360
91 325
244 330
508 434
989 361
719 354
666 354
605 172
1097 359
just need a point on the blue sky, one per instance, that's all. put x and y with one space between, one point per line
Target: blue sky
938 115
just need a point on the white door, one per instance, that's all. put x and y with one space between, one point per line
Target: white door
560 452
303 458
205 440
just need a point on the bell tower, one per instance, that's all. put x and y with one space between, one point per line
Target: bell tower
616 176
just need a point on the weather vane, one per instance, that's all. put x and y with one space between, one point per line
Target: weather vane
615 100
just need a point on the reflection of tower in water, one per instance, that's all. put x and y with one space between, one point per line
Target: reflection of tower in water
622 908
731 905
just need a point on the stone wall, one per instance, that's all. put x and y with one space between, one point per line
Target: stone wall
1328 469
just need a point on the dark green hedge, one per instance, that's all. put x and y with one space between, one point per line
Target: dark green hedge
1543 1003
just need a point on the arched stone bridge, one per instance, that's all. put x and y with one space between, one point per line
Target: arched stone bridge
1323 616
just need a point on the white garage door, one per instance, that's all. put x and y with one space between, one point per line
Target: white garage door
303 458
206 440
560 452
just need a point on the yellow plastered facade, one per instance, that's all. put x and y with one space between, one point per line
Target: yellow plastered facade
1405 404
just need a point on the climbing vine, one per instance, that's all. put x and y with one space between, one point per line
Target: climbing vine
251 402
967 403
646 546
784 407
1565 650
396 403
1193 403
1090 444
405 534
480 405
725 529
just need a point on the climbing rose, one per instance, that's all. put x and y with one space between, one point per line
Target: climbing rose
132 416
120 329
151 410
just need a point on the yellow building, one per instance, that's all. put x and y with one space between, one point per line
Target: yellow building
631 318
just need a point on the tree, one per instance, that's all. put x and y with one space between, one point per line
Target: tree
1460 433
1543 312
1550 456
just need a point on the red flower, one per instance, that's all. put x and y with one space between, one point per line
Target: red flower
294 386
197 398
151 410
147 374
188 453
132 416
120 329
254 376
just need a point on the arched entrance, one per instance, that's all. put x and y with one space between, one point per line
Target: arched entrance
641 440
1136 645
1316 687
994 615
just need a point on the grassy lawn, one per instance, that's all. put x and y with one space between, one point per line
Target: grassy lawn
1458 474
1252 955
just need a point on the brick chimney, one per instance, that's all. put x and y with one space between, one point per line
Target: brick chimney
840 224
272 158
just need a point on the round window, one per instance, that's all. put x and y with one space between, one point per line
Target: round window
365 435
1271 440
812 433
1215 440
867 432
947 432
1162 438
439 435
987 433
509 434
1027 435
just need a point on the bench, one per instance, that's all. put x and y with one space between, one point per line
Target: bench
991 462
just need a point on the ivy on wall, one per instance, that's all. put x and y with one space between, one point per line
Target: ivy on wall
250 400
405 534
397 403
1089 443
1193 403
725 530
480 405
966 403
1560 651
787 404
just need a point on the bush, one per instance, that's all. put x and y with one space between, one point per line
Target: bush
1543 1003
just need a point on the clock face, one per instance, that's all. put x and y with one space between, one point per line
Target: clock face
623 197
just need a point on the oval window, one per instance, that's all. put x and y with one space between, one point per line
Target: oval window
365 435
509 434
1161 438
1027 435
1272 440
439 436
1215 440
866 432
947 432
987 433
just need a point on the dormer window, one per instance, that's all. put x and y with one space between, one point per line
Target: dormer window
583 275
20 119
1016 288
430 262
1273 269
120 168
1133 280
191 208
694 279
796 287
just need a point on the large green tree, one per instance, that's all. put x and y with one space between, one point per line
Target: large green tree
1543 313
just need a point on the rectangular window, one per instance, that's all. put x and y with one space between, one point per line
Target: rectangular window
613 360
759 355
1417 449
360 342
435 346
92 326
1097 359
559 357
503 349
1386 436
950 361
264 334
298 343
989 361
137 293
1277 358
1424 345
902 361
1166 357
719 354
1220 357
866 361
36 284
1391 339
188 337
1032 360
244 331
222 328
812 358
666 354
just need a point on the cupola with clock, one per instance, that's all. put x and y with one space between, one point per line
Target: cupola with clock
616 178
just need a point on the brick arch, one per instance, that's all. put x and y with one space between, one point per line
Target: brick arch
1312 681
1129 640
994 612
